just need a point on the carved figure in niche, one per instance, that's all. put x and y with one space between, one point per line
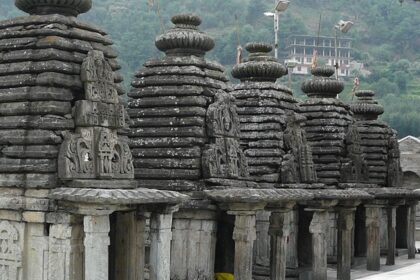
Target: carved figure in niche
232 158
289 169
94 114
98 78
126 158
223 158
394 177
106 154
299 153
10 253
222 117
354 168
214 160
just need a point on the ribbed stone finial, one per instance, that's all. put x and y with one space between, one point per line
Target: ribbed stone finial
321 84
186 20
185 38
46 7
261 65
259 51
366 107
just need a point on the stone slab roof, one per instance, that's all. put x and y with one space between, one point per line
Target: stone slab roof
118 196
259 195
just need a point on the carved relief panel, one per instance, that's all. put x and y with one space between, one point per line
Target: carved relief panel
297 165
88 113
222 117
394 177
98 79
224 158
10 252
95 151
354 168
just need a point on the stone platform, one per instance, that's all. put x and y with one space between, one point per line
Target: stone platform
404 269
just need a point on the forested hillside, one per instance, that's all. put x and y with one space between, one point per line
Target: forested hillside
386 38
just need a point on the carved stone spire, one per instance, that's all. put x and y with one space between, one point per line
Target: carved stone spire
365 107
46 7
261 66
185 38
95 150
322 85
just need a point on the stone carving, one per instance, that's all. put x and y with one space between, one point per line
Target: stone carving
354 168
297 165
88 113
10 253
394 177
222 118
95 151
98 79
76 156
223 158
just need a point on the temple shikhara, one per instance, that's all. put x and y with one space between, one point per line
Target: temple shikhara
196 175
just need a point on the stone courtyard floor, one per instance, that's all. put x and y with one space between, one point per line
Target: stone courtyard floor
404 269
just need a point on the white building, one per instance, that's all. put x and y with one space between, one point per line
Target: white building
301 48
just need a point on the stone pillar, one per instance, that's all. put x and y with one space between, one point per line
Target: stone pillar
411 233
97 243
160 249
262 244
372 236
292 244
244 235
392 234
318 228
65 257
279 232
344 238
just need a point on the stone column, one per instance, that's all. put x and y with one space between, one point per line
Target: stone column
244 235
372 236
262 245
411 233
65 257
279 232
160 249
344 242
318 228
97 243
391 213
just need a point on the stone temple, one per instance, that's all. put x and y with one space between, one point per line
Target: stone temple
197 175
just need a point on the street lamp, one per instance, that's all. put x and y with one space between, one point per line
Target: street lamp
344 27
280 7
291 64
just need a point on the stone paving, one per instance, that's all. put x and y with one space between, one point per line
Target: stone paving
404 269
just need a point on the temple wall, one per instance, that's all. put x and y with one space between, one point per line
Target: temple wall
193 245
410 164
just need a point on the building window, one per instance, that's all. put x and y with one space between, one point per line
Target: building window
299 68
343 71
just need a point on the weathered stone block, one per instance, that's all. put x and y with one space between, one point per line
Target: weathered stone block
89 113
28 137
35 152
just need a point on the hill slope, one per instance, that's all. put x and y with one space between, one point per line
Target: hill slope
386 37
